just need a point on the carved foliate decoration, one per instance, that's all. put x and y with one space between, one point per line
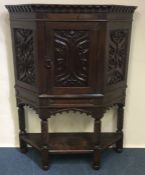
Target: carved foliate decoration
24 52
117 56
71 52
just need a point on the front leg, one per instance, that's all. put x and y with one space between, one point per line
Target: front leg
97 158
44 147
97 150
120 117
21 115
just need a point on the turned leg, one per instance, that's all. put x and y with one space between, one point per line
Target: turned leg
97 150
44 147
21 115
120 117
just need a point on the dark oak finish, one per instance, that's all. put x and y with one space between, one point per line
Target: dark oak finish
71 57
21 114
62 143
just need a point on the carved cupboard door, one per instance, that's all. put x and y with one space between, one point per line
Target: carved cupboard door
73 57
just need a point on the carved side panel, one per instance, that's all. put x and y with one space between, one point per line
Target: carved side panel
71 52
117 56
24 52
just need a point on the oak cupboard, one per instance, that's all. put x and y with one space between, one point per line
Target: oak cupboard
70 57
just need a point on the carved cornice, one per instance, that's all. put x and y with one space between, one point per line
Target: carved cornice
30 8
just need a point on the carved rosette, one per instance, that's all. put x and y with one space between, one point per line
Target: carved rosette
71 52
24 52
117 56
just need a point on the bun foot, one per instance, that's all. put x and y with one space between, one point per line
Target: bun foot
118 150
45 167
24 150
96 167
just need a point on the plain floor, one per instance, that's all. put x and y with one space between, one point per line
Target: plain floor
129 162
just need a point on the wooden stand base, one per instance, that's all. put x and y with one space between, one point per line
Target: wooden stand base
72 143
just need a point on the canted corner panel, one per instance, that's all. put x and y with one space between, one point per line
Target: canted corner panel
24 53
71 58
117 55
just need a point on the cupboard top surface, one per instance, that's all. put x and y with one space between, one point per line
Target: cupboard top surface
61 8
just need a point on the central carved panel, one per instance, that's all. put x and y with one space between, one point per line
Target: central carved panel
71 52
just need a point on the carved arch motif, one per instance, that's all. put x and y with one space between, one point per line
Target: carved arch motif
60 111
